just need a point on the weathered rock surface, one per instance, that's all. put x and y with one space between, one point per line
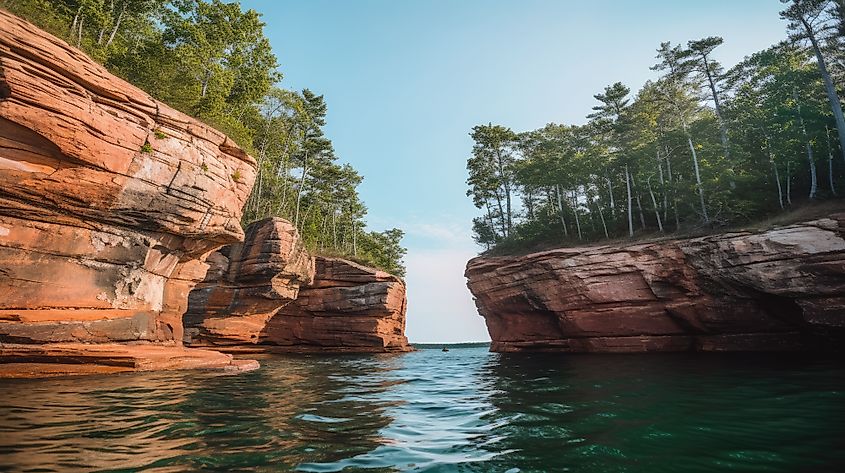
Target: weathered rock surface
269 294
64 359
247 284
348 308
109 200
783 289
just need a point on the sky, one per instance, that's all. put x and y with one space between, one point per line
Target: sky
405 81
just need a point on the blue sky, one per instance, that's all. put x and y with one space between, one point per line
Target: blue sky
405 81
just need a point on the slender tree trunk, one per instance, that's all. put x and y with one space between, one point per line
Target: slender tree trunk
601 216
261 155
510 212
354 237
832 96
529 204
810 160
610 193
813 176
75 22
640 210
506 181
259 189
639 204
299 190
560 211
502 219
630 214
697 175
775 169
323 232
491 222
284 175
575 211
662 186
79 36
654 203
116 27
334 227
672 190
286 148
829 160
788 184
205 82
723 130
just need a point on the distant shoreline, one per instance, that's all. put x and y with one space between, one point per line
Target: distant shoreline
433 346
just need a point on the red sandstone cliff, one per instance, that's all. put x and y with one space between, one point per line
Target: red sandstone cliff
109 202
348 308
782 289
247 284
268 294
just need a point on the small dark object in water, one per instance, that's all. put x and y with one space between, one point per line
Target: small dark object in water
445 349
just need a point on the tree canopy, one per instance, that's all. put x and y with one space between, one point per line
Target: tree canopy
699 147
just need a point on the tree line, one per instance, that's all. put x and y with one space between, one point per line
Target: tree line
697 148
211 60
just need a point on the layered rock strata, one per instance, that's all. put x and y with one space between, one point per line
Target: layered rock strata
109 203
348 308
246 285
782 289
268 294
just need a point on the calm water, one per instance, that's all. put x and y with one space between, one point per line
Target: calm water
465 410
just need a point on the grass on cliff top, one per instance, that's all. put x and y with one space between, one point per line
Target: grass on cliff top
800 212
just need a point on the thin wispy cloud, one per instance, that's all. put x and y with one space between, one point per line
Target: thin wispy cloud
443 232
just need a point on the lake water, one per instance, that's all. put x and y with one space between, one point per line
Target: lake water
462 410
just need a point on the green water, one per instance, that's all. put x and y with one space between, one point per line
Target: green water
462 410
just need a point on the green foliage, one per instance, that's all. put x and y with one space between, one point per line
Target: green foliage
700 148
384 250
491 177
210 59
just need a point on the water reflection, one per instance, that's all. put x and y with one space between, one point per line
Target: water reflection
656 413
440 406
465 410
294 410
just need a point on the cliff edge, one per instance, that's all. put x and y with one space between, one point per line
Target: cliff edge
268 294
109 203
781 289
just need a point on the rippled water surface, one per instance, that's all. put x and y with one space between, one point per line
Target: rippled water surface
465 410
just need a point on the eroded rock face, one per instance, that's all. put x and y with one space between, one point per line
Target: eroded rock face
782 289
269 294
247 284
349 307
109 199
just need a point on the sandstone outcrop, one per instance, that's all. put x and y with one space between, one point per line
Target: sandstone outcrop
348 308
268 294
62 359
247 283
109 203
782 289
